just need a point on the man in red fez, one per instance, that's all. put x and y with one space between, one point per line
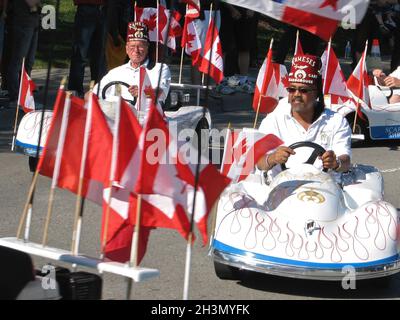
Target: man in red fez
137 49
307 119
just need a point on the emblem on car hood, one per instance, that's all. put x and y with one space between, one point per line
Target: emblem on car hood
311 195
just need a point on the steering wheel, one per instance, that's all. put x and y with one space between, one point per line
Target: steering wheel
113 83
387 96
318 151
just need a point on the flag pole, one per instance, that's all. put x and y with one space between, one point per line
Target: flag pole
114 159
56 172
328 56
18 104
133 263
261 93
182 56
297 42
27 212
27 203
134 11
76 233
196 180
360 87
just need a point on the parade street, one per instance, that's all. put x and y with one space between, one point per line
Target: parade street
166 249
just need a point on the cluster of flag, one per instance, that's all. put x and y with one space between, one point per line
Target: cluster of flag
206 53
115 163
272 79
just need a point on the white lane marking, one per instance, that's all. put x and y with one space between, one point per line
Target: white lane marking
390 170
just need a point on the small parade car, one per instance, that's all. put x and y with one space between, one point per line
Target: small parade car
307 224
381 121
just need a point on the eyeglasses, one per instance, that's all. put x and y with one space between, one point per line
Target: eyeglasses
139 47
301 90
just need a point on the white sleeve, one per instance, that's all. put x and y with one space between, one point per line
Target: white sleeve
342 138
395 73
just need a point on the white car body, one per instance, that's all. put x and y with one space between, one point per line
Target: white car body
306 225
383 118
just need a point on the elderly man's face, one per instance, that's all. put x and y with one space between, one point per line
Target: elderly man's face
302 97
137 51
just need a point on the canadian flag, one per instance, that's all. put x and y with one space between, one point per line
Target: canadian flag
358 82
175 30
243 149
66 148
266 93
117 229
26 100
212 62
193 8
169 172
333 78
146 92
191 41
157 22
281 76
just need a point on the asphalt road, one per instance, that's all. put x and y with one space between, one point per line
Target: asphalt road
166 250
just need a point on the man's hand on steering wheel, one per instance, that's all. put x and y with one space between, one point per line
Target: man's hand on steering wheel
329 160
280 156
134 91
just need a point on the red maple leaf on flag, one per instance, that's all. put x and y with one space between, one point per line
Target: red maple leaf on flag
189 38
285 81
151 22
149 92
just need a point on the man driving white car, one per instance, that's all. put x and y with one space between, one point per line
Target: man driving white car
305 118
391 81
137 49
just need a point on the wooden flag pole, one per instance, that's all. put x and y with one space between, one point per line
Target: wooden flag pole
27 203
114 159
60 147
360 88
18 103
182 56
261 93
328 56
187 266
135 244
79 199
297 42
196 183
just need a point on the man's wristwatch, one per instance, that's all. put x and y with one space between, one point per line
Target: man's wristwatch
339 162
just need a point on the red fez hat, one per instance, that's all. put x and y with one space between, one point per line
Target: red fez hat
305 69
137 30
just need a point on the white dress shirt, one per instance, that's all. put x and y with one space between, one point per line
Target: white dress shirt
130 75
330 130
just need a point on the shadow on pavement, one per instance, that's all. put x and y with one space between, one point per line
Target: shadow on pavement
384 288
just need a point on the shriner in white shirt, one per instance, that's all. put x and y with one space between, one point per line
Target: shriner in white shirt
137 46
392 81
305 118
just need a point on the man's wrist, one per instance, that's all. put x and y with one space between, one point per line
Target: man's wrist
268 161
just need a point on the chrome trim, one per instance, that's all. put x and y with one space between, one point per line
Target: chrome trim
267 267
